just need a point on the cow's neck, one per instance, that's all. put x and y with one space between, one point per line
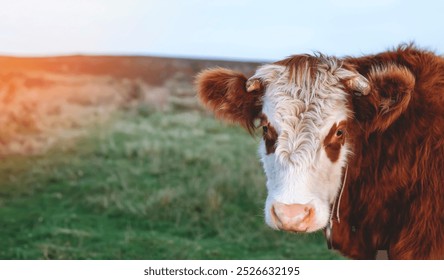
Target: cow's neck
343 221
336 205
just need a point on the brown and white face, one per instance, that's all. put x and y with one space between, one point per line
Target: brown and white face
304 148
302 104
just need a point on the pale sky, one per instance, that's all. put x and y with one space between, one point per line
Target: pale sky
228 29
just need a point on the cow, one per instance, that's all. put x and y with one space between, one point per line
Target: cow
353 146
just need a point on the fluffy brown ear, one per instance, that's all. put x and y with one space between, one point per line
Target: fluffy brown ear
224 92
391 88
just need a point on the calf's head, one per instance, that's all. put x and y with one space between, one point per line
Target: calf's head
305 108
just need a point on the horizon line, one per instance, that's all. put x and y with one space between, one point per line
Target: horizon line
123 54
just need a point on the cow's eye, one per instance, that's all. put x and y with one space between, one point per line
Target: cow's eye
265 129
339 133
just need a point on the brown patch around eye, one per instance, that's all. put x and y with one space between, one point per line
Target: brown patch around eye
269 134
334 140
270 139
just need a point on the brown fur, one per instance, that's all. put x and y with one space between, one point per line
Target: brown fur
224 92
394 197
334 141
270 135
296 64
394 193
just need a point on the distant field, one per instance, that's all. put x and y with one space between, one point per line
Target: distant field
144 174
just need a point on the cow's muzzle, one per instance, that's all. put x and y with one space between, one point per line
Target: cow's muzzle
293 217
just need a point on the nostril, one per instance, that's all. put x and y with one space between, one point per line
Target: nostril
309 212
275 217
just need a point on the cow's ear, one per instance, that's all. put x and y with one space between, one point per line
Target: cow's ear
224 92
390 91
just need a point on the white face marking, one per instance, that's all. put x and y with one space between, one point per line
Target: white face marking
303 110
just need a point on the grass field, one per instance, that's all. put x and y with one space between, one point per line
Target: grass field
156 186
147 183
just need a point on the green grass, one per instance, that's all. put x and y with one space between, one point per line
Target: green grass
149 185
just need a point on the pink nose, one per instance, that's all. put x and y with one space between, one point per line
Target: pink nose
292 217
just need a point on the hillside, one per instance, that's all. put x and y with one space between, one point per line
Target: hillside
152 70
43 99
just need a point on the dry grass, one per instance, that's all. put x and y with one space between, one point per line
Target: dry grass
39 110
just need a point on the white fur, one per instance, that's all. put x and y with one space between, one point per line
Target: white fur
302 111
